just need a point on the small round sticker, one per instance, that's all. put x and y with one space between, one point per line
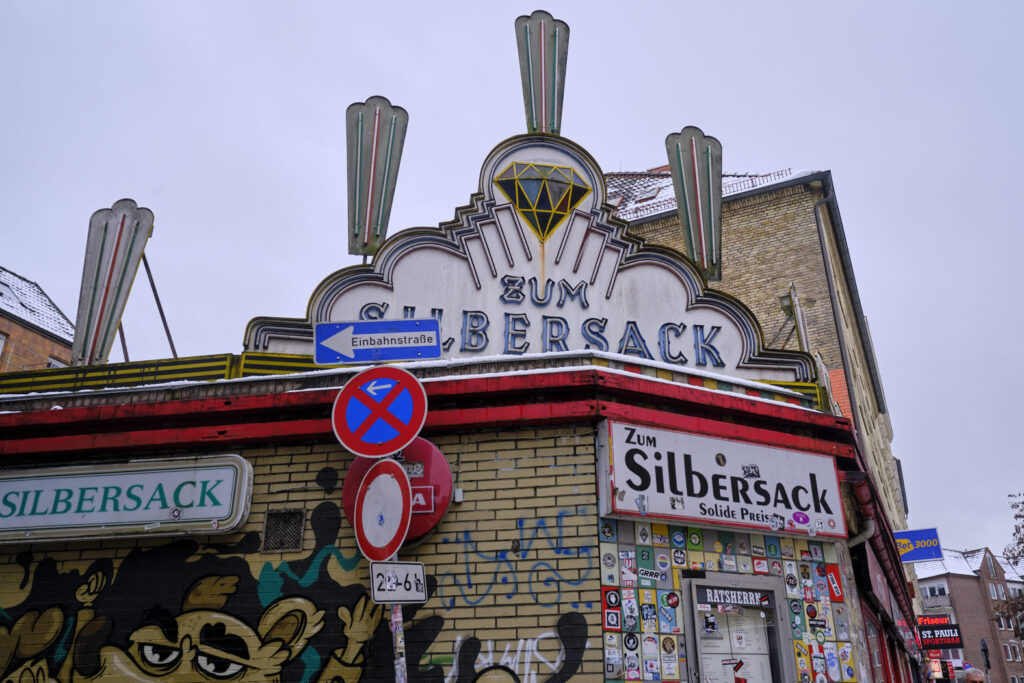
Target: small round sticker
630 641
662 561
670 600
695 538
812 612
608 560
800 517
612 598
678 538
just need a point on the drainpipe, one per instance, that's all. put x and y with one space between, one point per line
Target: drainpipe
865 534
860 486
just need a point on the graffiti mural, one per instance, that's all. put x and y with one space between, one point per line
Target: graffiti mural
207 610
483 573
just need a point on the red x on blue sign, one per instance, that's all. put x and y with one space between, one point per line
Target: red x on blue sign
379 412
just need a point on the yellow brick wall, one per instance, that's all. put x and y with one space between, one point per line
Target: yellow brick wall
26 349
769 241
515 567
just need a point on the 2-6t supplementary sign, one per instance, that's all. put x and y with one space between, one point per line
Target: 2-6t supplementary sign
395 583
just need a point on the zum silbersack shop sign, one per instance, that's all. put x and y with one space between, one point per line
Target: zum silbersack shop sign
688 478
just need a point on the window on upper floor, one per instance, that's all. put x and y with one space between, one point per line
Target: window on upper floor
942 590
55 363
1002 592
1007 653
3 340
932 591
999 622
991 565
992 591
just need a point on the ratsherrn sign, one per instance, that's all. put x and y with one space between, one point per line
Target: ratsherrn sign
684 477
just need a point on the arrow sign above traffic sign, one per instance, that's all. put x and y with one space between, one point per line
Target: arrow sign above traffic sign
379 412
369 341
383 510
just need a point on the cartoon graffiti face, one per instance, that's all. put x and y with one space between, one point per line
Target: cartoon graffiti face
208 645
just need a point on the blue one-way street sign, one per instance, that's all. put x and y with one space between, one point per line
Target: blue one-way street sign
369 341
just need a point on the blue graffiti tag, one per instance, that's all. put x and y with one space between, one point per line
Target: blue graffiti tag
496 572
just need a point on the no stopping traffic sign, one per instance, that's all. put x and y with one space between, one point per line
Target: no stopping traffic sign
379 412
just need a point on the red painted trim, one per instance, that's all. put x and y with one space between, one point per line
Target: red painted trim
218 436
524 414
510 400
233 408
725 430
171 408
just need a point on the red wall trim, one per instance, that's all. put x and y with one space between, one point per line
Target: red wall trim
455 404
725 430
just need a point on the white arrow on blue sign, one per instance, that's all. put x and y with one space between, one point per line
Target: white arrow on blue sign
370 341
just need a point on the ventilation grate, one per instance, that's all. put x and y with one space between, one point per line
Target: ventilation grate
283 530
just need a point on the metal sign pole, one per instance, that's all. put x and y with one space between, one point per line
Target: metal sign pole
398 640
398 637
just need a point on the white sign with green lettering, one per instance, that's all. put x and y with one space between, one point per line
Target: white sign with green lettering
159 497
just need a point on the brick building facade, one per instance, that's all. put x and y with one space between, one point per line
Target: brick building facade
971 586
637 479
570 552
34 333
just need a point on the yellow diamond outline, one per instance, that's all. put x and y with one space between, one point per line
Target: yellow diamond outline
514 172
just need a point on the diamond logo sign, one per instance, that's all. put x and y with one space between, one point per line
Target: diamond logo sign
542 194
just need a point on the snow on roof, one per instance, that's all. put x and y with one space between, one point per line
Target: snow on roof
26 301
974 558
648 193
1010 572
952 562
966 562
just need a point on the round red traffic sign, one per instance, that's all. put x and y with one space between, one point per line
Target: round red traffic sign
382 510
379 411
430 476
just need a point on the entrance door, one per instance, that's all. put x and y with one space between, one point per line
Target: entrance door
736 632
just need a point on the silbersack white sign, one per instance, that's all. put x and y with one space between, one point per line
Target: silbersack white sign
682 477
206 495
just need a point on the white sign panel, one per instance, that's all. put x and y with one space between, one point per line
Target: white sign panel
501 281
395 583
203 495
684 477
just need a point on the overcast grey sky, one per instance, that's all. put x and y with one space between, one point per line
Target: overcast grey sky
227 120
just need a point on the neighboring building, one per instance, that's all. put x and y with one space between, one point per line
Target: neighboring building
34 333
971 586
